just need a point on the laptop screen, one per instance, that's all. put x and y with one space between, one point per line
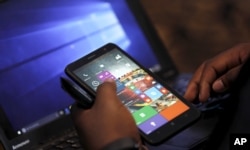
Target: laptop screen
39 38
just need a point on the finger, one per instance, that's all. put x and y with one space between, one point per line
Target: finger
219 66
224 82
106 94
211 70
193 86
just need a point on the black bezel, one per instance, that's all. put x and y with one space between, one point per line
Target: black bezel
163 132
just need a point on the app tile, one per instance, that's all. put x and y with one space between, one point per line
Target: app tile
119 86
143 114
152 124
137 91
161 88
145 98
164 91
174 110
153 93
102 76
158 86
132 87
149 78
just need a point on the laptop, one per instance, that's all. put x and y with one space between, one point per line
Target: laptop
39 38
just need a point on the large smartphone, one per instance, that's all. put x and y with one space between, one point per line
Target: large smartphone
157 109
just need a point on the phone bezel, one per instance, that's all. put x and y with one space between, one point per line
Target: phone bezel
162 133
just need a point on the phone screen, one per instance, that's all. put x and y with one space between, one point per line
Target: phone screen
151 104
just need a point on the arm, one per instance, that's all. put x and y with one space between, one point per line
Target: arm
218 73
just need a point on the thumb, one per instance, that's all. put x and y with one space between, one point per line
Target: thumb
224 82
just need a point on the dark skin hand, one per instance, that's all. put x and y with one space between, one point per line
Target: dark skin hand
107 120
218 73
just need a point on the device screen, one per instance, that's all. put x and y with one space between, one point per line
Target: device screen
151 104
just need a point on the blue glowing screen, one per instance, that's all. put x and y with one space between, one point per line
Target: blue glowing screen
39 38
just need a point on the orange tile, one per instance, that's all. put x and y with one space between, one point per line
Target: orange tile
174 110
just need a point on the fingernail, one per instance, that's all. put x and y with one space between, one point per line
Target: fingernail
218 86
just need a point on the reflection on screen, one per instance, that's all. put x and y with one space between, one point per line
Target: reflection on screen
151 104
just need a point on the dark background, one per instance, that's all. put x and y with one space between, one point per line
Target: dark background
196 30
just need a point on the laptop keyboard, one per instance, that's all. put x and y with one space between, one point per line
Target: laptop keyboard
69 140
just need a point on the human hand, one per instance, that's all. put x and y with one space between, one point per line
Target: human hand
107 120
218 73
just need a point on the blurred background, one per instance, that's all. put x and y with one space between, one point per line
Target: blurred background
196 30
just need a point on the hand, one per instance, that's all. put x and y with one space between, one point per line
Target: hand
106 121
218 73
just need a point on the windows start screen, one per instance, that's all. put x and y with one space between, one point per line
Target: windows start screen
151 104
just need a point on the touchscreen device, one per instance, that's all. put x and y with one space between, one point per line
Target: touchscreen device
158 110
